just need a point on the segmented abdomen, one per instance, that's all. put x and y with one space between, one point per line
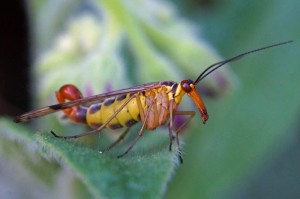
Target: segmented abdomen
98 114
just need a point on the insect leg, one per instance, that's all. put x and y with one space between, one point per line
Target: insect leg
139 134
102 126
191 114
171 123
121 137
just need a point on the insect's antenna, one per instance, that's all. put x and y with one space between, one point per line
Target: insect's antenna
217 65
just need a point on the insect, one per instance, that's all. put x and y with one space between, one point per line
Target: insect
153 104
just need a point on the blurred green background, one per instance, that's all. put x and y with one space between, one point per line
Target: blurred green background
250 146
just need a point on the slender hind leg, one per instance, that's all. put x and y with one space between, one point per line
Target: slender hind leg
139 134
191 114
120 138
171 123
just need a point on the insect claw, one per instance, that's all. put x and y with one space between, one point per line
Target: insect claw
180 158
54 134
170 146
179 155
123 154
171 142
58 136
119 156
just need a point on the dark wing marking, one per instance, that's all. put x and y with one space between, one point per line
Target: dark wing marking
87 100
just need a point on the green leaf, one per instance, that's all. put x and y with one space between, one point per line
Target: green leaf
142 173
107 176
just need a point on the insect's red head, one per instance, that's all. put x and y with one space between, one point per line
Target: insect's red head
189 87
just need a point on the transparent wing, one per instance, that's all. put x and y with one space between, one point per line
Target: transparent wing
87 100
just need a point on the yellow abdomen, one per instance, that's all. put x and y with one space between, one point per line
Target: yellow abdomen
98 114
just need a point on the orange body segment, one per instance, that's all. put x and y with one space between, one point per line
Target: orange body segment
199 103
70 92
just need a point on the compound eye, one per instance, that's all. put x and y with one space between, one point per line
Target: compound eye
186 85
